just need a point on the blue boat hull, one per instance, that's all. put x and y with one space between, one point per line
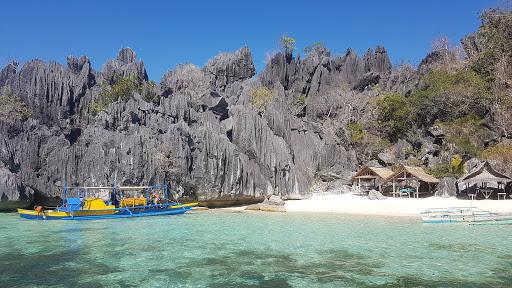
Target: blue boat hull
117 215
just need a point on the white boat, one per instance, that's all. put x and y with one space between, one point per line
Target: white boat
462 214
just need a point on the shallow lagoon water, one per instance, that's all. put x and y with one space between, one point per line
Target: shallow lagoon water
225 249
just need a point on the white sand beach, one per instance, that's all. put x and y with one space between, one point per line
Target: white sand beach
353 204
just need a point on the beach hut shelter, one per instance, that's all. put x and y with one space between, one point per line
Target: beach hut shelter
368 178
412 176
485 178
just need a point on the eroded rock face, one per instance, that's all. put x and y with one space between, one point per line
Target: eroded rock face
472 45
13 194
52 92
227 68
125 65
201 133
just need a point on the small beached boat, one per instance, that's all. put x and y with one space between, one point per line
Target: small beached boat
83 203
462 214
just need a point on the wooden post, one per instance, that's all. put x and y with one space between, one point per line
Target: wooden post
418 191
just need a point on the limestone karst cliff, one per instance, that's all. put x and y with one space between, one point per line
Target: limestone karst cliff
202 132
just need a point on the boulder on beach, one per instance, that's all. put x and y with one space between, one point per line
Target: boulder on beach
376 195
271 204
447 187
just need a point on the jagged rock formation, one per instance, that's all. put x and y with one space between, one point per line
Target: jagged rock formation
201 133
227 68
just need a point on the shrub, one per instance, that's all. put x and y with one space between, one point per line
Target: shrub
453 169
287 44
260 97
443 170
95 107
302 99
467 133
394 114
446 96
12 109
484 66
356 132
123 89
367 145
457 164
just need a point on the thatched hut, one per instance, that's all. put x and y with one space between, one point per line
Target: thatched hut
368 178
484 180
411 180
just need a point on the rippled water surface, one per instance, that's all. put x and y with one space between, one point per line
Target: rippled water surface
224 249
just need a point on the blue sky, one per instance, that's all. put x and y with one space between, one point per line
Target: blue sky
167 33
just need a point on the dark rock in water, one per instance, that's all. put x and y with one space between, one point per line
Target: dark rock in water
447 187
271 204
376 195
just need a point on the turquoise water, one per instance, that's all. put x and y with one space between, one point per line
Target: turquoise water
224 249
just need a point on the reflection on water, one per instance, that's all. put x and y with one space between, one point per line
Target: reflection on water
218 249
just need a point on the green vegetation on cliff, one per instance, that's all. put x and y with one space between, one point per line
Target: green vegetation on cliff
449 95
122 90
394 114
260 97
12 109
453 169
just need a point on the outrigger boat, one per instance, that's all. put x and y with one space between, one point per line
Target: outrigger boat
462 214
79 204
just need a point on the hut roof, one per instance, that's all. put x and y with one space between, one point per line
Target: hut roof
484 173
365 171
417 172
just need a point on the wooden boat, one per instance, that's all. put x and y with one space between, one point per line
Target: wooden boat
78 204
462 214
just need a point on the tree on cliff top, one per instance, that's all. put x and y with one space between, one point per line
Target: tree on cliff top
287 44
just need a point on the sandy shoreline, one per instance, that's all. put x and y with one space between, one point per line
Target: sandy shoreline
352 204
406 207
